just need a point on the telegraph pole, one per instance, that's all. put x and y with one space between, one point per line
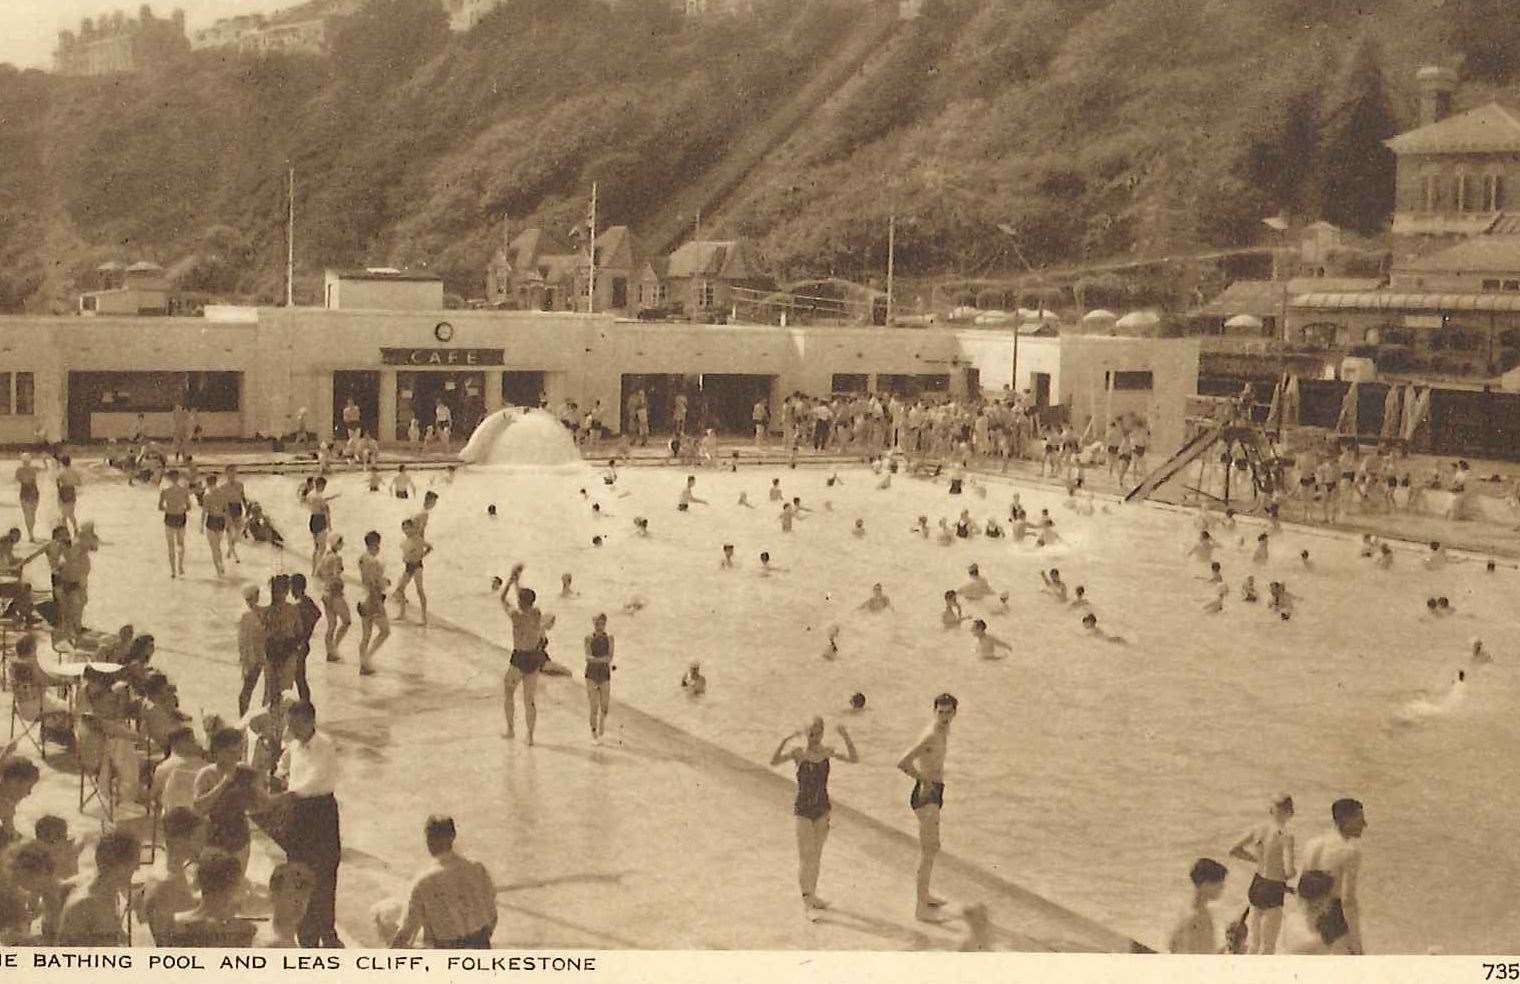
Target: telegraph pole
591 292
891 261
290 240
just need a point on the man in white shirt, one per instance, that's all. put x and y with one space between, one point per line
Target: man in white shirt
309 766
452 901
174 778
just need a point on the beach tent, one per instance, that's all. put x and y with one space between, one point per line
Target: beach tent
1391 417
1138 320
1346 423
1274 413
1098 316
1244 321
1417 414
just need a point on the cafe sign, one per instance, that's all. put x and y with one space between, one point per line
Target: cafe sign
441 358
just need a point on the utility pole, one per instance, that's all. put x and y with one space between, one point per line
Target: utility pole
290 240
891 262
591 289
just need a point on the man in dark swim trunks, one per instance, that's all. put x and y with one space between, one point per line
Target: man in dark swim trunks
236 497
1269 846
1339 854
174 503
29 495
925 764
528 656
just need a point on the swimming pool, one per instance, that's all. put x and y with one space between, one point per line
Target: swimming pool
1090 773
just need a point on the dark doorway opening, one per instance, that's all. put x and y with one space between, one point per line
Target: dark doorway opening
363 387
728 400
522 389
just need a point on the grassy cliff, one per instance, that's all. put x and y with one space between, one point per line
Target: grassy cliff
1094 128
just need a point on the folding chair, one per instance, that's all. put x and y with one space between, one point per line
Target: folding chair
28 703
99 778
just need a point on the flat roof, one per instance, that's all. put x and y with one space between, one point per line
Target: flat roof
383 275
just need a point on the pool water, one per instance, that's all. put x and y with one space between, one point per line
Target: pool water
1091 773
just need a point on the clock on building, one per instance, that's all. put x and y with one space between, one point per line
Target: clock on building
443 331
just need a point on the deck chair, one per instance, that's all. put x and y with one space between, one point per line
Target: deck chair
28 704
100 776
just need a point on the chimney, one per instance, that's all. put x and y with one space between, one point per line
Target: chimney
1436 86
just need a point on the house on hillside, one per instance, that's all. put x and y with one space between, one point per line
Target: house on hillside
116 43
141 288
702 275
533 272
1455 172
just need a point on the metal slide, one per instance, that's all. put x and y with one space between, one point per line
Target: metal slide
1189 453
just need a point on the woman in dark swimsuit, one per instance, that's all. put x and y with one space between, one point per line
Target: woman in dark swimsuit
812 806
599 651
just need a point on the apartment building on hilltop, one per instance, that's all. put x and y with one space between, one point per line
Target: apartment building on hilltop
115 43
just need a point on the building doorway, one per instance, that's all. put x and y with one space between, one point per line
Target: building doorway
522 389
728 400
1041 389
659 390
363 387
419 393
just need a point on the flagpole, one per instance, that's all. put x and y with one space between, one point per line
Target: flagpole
290 241
591 294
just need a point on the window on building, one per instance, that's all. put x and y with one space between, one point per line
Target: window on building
1137 380
1463 200
706 294
1493 192
661 293
26 400
5 394
1491 284
1512 285
848 382
1428 193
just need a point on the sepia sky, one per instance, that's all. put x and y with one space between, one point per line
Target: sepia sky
29 28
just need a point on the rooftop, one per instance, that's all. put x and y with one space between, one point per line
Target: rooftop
1490 128
1480 254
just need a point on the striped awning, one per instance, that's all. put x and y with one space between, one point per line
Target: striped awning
1387 300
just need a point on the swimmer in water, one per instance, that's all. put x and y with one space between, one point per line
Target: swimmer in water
635 605
921 527
567 586
1444 606
977 587
641 526
1480 656
491 510
1090 626
787 517
689 495
886 481
831 643
833 480
693 682
878 600
728 557
991 530
767 568
1280 600
1437 558
1260 556
776 495
1303 558
1080 599
798 507
744 500
1384 558
987 645
1204 549
946 536
859 529
1053 584
1369 546
1216 573
1248 589
1215 605
951 617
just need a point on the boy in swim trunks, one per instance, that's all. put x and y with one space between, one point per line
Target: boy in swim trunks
236 497
1194 932
599 654
373 619
528 656
26 478
413 549
214 519
1269 846
174 503
924 763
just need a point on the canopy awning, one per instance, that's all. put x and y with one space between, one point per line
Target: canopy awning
1387 300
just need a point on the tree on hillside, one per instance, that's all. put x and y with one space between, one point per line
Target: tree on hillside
1487 34
1356 170
387 40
